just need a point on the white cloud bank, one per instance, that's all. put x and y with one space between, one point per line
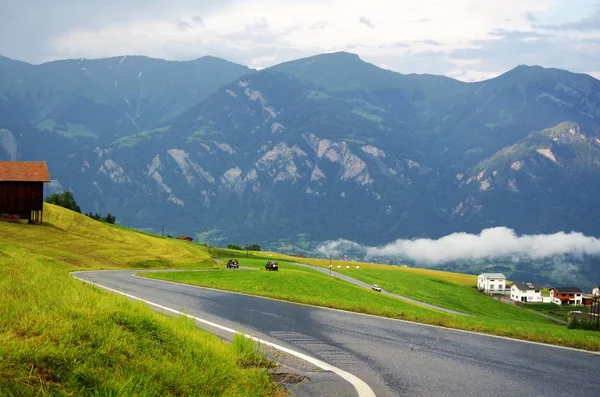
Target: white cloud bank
490 243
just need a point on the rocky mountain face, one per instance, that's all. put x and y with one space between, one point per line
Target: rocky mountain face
547 180
320 148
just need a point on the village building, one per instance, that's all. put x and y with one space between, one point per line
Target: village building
22 190
526 292
491 283
587 300
566 295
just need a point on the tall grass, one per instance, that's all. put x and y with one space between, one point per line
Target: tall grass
248 352
59 336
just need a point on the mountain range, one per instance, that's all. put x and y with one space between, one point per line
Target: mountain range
315 149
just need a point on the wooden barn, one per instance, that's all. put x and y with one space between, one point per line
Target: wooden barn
22 190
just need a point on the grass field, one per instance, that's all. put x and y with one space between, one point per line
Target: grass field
296 284
308 286
59 336
437 291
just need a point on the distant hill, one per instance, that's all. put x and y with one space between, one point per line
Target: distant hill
107 97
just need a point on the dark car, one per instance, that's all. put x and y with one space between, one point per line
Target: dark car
233 264
272 265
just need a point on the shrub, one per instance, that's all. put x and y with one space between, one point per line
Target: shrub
580 323
252 247
108 218
64 199
234 247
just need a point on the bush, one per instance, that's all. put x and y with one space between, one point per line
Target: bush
108 218
579 323
252 247
234 247
64 199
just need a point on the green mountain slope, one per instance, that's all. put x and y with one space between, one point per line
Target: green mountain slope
111 96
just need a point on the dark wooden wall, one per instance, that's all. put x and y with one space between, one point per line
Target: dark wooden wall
20 198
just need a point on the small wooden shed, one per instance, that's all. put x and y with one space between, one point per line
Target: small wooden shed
22 190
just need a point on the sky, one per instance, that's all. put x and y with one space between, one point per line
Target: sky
469 40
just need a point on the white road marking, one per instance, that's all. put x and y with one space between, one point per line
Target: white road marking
362 388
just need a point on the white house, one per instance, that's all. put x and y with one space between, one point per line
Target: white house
526 292
491 283
596 291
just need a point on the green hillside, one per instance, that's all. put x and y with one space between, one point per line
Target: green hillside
59 336
84 243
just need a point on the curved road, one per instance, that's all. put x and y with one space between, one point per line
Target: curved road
394 358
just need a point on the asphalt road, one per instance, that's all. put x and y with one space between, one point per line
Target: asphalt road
394 358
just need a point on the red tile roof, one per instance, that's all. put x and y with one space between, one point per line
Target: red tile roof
24 171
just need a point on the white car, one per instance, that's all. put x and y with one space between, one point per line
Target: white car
376 287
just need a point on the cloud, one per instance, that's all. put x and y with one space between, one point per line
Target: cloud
367 22
198 20
515 34
430 42
181 24
490 243
589 23
530 17
504 49
563 270
262 62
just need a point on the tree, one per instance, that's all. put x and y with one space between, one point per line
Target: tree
108 218
234 247
64 199
252 247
